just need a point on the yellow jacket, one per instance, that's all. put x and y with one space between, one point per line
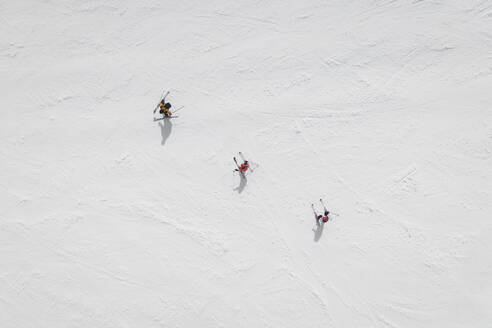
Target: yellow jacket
164 110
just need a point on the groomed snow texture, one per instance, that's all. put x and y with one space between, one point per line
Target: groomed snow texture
109 219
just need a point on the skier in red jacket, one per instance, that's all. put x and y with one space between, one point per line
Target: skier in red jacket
324 217
243 167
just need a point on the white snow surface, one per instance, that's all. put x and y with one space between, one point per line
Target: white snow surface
382 108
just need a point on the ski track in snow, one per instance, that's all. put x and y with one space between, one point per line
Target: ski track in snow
382 108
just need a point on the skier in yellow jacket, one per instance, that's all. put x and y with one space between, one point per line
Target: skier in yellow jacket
165 108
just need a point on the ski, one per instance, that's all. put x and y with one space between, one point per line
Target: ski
163 118
312 206
160 98
235 161
178 109
327 212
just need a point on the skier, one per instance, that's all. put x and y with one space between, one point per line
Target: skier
325 218
165 108
243 167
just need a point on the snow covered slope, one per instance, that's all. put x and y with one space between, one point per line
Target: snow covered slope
382 108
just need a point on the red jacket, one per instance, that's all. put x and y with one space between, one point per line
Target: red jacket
244 167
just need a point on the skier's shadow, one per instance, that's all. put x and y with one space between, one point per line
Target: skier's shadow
166 129
318 232
242 183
